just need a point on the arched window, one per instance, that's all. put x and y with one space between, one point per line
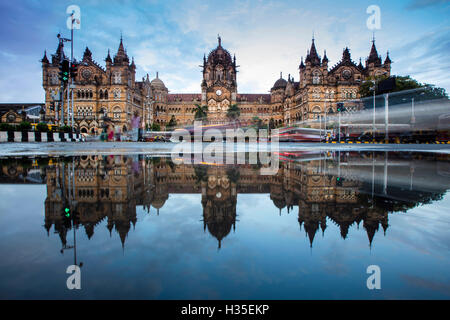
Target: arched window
316 77
117 112
117 78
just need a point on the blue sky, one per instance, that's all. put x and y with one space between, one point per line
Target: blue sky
267 37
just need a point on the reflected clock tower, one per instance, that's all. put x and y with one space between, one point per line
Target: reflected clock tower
219 87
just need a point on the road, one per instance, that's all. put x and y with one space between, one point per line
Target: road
164 149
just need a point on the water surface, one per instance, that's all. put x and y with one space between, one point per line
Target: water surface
146 228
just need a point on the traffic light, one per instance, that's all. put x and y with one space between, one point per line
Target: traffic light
73 70
339 181
67 212
64 71
66 217
340 107
52 106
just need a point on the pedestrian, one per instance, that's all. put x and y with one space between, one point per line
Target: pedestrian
110 133
135 123
117 132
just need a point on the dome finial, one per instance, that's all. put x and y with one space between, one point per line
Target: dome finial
219 39
281 75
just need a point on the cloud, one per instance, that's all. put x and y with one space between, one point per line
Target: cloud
426 58
171 37
420 4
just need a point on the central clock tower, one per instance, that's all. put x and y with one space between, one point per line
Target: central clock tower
219 87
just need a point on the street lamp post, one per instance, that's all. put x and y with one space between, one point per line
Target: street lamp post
373 116
386 117
339 132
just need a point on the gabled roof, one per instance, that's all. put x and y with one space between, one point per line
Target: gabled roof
345 61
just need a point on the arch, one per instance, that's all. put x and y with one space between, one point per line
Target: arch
84 130
316 109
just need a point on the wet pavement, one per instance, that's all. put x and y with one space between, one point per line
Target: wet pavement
164 148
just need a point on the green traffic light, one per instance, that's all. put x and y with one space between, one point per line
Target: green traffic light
67 210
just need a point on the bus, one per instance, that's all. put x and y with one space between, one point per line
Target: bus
296 134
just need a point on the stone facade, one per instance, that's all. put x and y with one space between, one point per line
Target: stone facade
112 95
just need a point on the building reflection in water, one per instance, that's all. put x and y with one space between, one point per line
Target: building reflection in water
327 187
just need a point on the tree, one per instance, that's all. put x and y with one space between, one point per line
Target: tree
172 122
234 112
403 83
156 127
200 112
257 123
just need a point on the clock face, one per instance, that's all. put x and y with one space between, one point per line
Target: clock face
86 73
219 92
11 117
346 74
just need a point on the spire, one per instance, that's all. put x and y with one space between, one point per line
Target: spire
387 60
132 63
108 57
58 54
87 54
121 48
325 58
346 55
281 75
45 59
219 39
312 56
302 65
121 55
360 66
373 56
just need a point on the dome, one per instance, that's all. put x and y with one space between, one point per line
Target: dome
219 55
280 83
158 203
157 83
